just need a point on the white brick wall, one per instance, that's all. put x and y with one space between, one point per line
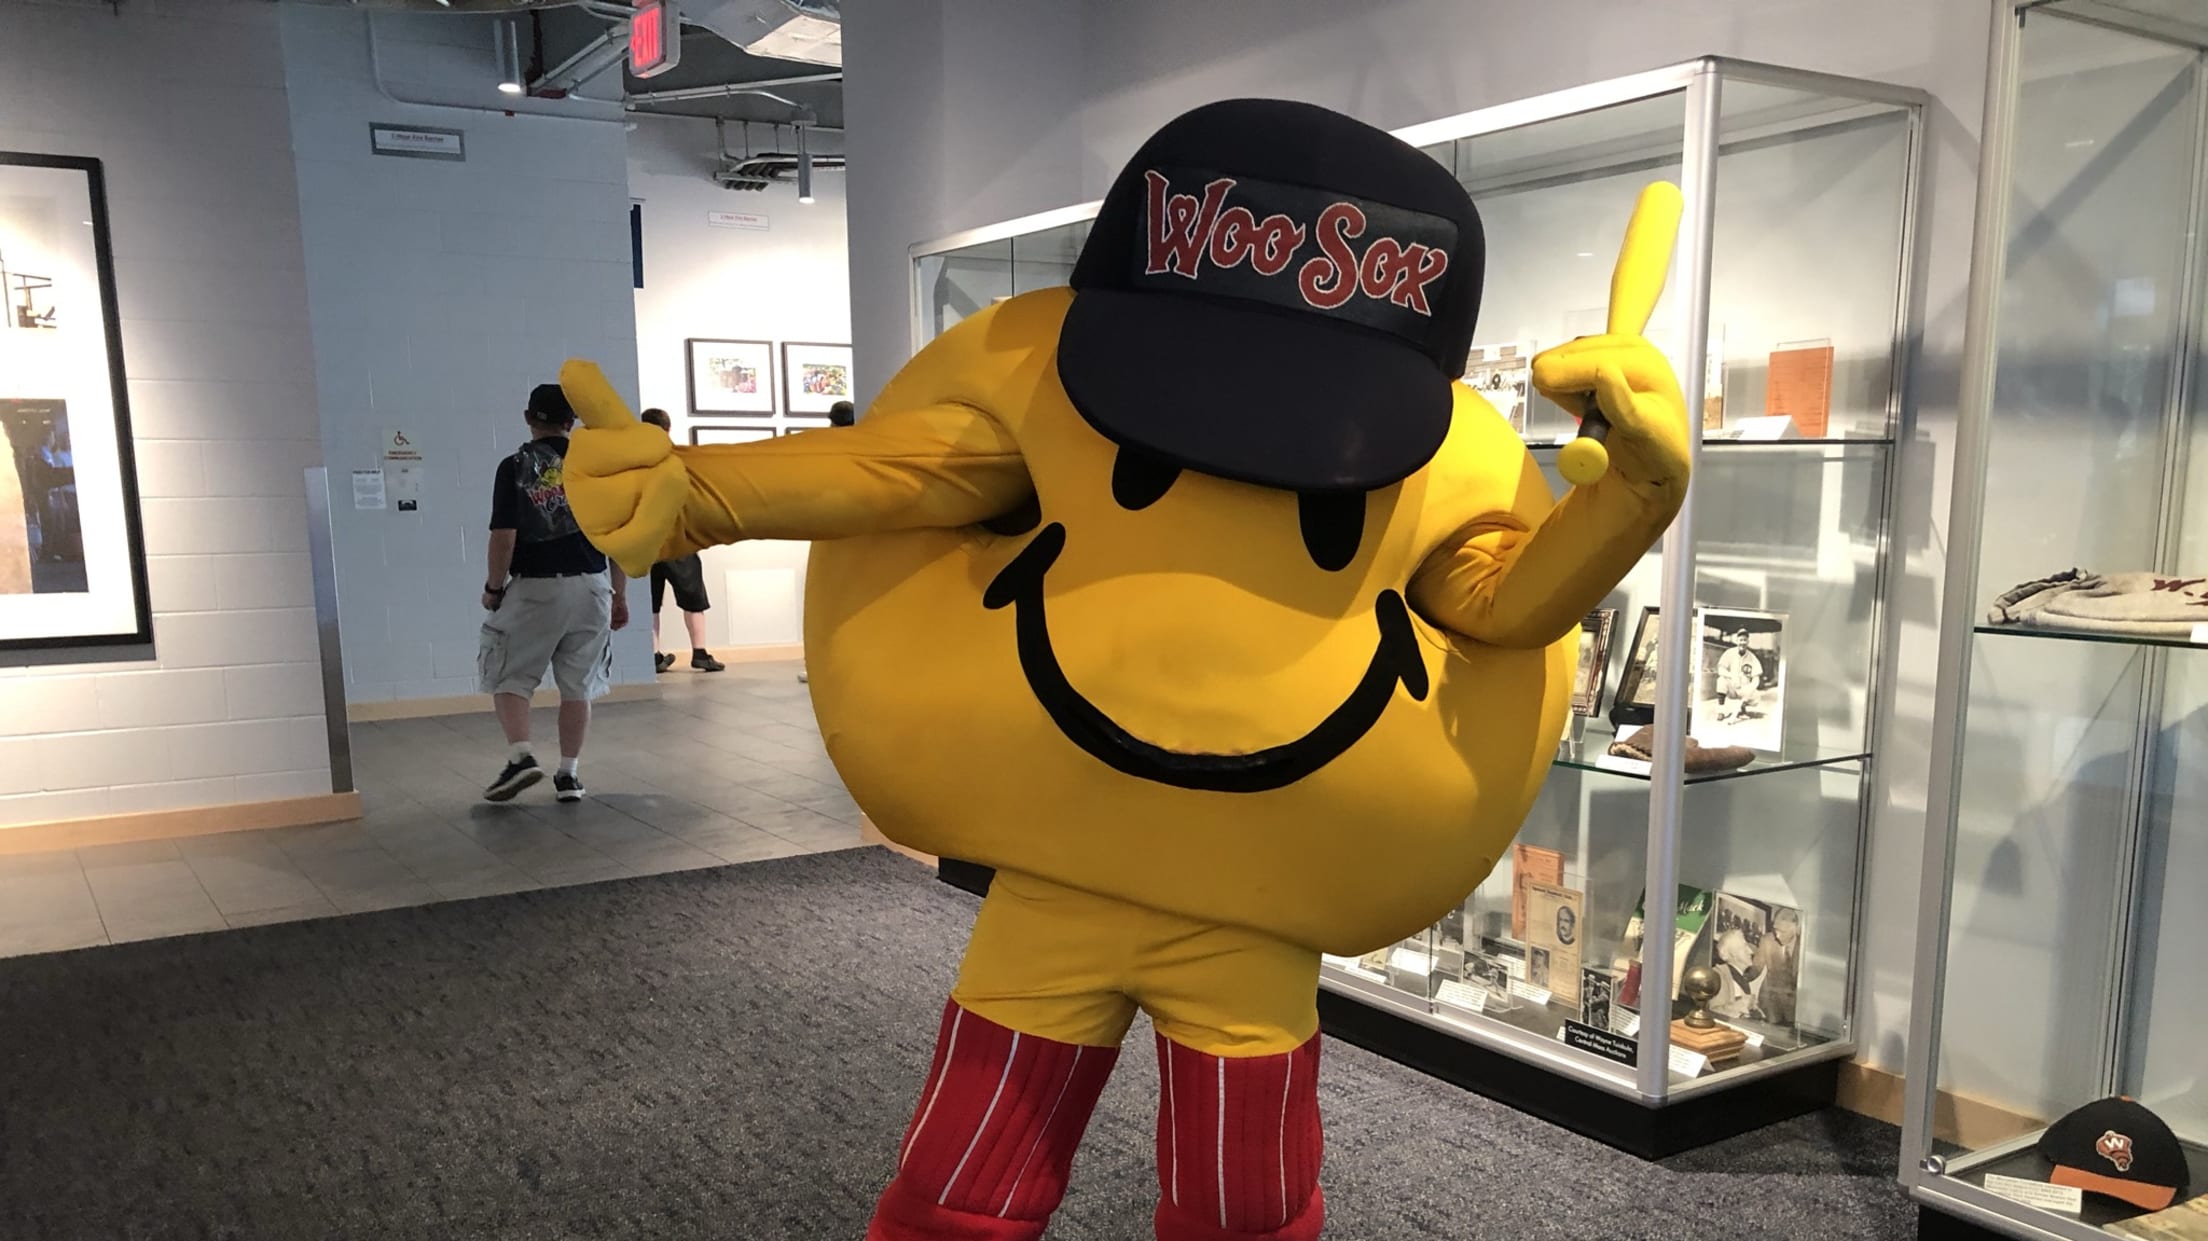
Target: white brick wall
184 101
441 293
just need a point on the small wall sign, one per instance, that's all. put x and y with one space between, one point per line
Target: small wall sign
417 142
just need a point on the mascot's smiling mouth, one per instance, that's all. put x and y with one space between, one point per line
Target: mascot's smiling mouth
1395 659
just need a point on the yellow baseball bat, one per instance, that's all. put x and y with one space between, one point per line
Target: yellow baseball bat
1635 284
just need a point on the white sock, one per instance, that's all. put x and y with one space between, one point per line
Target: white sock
568 765
519 751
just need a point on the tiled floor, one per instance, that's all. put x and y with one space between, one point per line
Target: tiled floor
725 768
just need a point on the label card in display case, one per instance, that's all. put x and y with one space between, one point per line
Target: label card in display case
2068 1199
1464 995
1610 1046
72 557
1688 1063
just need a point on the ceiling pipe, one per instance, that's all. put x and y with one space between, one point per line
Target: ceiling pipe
595 57
383 88
730 88
804 168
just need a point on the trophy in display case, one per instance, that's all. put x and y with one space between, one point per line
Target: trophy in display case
1698 1031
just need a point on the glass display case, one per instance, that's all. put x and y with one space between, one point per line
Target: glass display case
1786 316
2067 843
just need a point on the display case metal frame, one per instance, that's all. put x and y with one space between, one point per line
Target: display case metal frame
1652 1088
1953 1206
1646 1111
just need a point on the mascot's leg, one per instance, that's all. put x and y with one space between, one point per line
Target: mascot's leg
1238 1066
1030 1035
1238 1145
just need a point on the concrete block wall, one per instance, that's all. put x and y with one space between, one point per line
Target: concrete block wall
185 104
441 293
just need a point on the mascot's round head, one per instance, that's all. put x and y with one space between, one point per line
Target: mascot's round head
1187 674
1300 289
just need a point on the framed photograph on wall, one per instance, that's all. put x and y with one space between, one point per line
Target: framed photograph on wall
1635 703
1740 686
731 377
709 433
817 376
1594 660
72 555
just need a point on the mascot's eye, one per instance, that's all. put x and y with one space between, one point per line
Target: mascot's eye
1139 480
1333 524
1019 519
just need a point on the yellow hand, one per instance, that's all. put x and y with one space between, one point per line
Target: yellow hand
624 483
1636 391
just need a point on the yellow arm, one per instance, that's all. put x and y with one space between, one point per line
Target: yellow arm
1506 583
897 469
929 453
1511 582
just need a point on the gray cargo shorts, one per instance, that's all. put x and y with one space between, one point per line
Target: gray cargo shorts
565 623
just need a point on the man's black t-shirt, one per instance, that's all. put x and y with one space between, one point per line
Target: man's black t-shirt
530 500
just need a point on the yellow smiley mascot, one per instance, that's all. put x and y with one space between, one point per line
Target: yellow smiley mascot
1193 598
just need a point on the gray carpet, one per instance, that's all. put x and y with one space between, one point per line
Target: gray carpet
727 1053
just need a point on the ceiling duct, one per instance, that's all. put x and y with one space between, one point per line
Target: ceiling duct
757 172
804 30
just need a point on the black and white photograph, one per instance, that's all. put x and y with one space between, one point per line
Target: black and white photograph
1635 702
72 559
731 376
1756 949
1482 970
1779 958
1597 989
1594 660
1740 681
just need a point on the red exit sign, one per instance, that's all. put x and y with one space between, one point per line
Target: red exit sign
655 38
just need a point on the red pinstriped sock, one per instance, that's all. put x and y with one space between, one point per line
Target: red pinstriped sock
989 1147
1239 1146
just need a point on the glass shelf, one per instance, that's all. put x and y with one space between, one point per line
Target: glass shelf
1592 754
2105 639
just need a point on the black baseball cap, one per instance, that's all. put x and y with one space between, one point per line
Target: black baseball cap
1277 294
548 404
2118 1148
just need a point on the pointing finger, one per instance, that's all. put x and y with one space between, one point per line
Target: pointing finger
596 404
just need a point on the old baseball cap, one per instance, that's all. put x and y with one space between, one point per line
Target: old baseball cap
1277 294
548 403
2118 1148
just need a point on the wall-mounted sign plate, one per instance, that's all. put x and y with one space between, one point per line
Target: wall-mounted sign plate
417 142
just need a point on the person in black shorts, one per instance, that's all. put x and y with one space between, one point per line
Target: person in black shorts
687 576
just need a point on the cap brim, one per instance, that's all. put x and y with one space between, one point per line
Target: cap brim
1252 394
2137 1193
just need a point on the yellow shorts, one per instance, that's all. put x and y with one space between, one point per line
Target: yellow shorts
1070 966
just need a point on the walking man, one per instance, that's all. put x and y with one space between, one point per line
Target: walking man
553 601
687 576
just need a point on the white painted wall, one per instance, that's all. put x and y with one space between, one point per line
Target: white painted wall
441 293
962 114
787 282
185 103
